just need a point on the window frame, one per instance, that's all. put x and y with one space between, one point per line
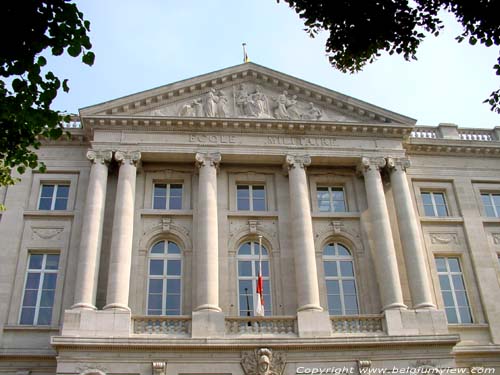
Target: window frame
453 291
54 197
433 202
340 278
496 209
254 259
331 198
251 197
167 196
42 271
165 277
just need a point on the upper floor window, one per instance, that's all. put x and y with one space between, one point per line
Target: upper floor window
491 204
331 199
434 204
251 197
340 280
456 303
167 196
53 197
39 289
165 279
248 273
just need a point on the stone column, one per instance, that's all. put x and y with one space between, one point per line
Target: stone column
91 234
123 229
384 254
410 237
207 252
302 234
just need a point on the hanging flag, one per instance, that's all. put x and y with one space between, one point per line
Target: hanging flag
245 56
259 306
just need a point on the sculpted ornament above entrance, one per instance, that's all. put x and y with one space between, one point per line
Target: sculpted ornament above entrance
247 100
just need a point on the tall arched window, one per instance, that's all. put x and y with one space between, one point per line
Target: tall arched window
340 280
164 279
248 272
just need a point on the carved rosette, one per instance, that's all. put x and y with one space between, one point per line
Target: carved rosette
371 164
300 161
100 157
398 164
212 158
263 361
130 157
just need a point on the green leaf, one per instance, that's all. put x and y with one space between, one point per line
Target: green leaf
88 58
42 61
65 85
74 50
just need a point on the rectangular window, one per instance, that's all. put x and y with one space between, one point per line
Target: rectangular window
53 197
451 281
491 204
434 204
167 196
39 289
331 199
251 197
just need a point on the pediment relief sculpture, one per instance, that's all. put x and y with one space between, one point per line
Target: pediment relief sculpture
249 100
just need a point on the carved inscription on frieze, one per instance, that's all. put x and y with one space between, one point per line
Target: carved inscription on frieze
277 140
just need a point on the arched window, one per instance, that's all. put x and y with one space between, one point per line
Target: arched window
164 279
248 272
340 280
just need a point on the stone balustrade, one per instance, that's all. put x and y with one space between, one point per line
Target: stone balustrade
452 131
162 325
273 325
357 324
424 132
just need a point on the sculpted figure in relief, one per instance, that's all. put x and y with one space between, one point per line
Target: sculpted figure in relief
312 113
259 101
245 102
293 110
211 103
222 105
194 109
281 111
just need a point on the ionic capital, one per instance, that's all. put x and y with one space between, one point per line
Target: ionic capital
130 157
100 157
398 164
212 158
371 164
300 161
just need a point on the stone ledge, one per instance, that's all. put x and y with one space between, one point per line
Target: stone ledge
18 327
36 213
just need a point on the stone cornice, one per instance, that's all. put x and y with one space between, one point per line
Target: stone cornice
145 343
422 146
158 123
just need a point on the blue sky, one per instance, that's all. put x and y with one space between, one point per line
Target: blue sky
145 44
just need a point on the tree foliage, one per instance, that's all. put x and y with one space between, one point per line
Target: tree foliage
27 88
360 30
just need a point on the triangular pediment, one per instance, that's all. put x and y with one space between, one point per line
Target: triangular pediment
246 91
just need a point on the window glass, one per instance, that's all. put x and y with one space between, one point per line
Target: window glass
453 290
251 198
248 272
167 196
53 197
39 289
340 280
165 279
331 199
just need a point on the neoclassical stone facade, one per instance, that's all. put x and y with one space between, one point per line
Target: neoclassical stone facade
139 251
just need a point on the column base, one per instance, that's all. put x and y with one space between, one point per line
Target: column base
208 307
208 324
314 323
83 306
425 305
395 306
116 306
310 307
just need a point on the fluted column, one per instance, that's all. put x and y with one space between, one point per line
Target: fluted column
384 254
302 235
207 252
410 237
90 244
123 229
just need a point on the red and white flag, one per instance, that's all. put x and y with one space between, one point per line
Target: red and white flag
259 306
